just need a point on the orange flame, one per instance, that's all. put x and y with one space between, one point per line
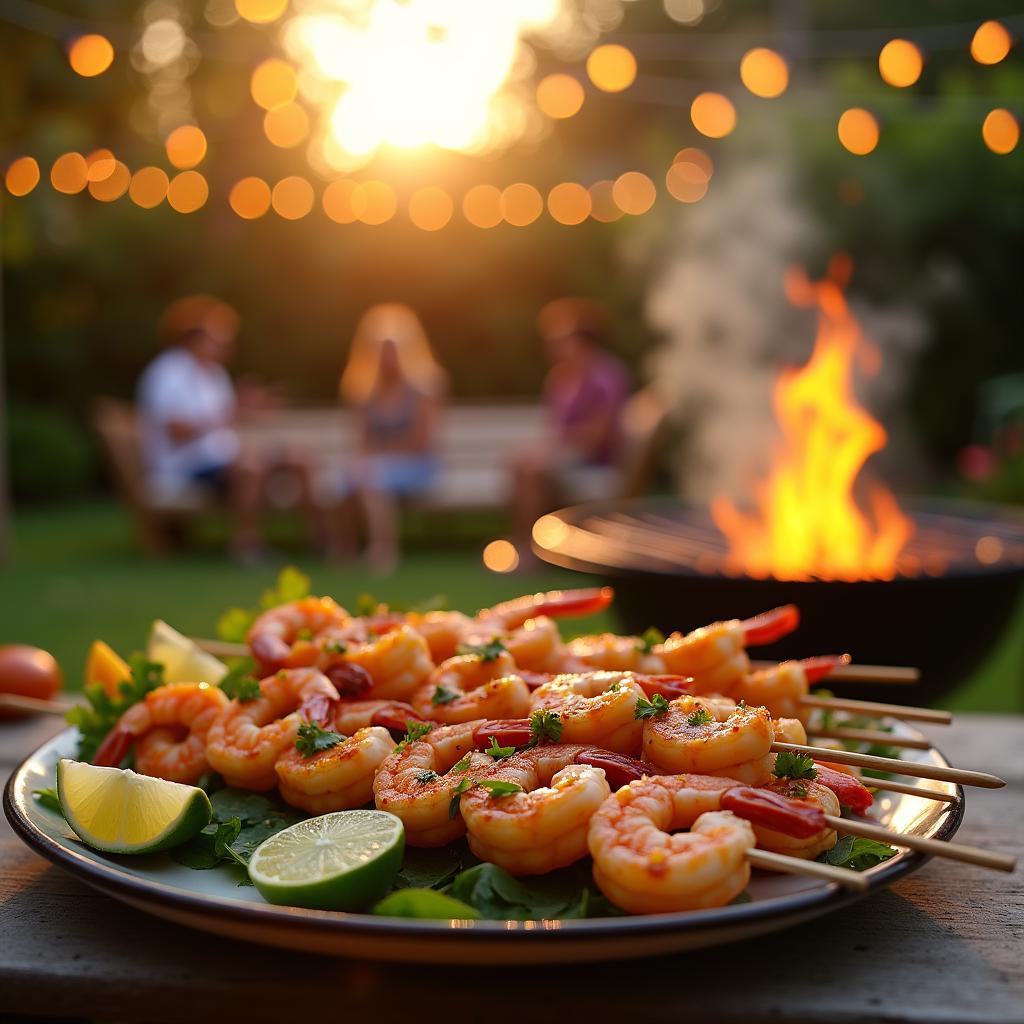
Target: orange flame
809 524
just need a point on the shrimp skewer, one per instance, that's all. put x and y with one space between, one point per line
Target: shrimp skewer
473 686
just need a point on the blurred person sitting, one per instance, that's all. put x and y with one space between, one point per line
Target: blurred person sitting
188 409
585 392
396 388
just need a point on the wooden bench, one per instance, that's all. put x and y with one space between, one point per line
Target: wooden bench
475 443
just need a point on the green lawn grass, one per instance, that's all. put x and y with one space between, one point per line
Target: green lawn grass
76 575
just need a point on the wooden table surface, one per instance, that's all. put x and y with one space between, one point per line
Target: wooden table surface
945 944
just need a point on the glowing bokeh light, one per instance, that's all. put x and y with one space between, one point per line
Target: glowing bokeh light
187 192
989 550
991 43
501 556
713 115
90 55
430 208
274 84
1001 131
569 203
286 126
697 157
686 12
560 96
69 173
113 185
374 202
249 198
186 146
764 73
686 182
22 176
634 193
337 201
612 68
292 197
481 206
148 187
100 164
858 131
603 207
261 12
900 63
521 204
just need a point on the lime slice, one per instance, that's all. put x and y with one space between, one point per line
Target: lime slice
341 861
118 811
182 659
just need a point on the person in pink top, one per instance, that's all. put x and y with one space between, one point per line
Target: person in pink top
584 394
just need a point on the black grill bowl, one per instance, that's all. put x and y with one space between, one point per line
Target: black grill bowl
943 624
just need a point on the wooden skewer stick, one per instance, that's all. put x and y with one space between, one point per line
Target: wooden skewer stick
892 764
221 648
895 674
872 736
16 702
797 866
867 707
935 847
888 786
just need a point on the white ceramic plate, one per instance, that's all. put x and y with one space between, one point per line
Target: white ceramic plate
213 901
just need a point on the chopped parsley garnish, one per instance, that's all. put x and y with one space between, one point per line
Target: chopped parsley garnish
335 647
496 788
462 764
799 790
240 684
489 651
649 639
657 705
545 725
463 786
615 687
367 604
442 695
414 731
795 766
426 776
304 635
699 717
312 739
498 752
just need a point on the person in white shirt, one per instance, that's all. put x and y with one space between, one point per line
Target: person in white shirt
187 407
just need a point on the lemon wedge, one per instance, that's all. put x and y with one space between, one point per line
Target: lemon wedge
183 660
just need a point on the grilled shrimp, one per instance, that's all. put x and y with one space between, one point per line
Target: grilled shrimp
169 731
595 707
397 662
543 825
645 865
335 779
247 738
473 686
419 781
285 636
812 794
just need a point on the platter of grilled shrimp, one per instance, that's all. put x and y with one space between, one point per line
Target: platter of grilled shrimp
540 799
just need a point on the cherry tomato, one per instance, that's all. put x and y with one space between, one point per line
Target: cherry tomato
28 672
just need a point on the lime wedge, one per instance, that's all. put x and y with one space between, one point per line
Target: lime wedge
183 660
118 811
341 861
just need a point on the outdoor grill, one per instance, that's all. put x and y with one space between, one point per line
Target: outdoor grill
956 585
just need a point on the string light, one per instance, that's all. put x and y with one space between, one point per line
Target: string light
713 115
1001 131
187 192
261 12
603 207
764 73
374 202
90 55
99 164
611 67
560 96
337 201
481 206
148 187
430 208
274 84
292 197
113 185
69 173
686 182
569 203
250 198
900 63
634 193
22 176
521 204
286 126
186 146
991 43
858 131
501 556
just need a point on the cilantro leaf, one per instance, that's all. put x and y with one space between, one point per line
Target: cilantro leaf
499 752
497 788
442 695
48 798
699 717
649 639
453 805
794 766
426 776
335 647
545 725
857 853
462 764
657 705
490 651
96 718
240 684
414 731
291 585
312 739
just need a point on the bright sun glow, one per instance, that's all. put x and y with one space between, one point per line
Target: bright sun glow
410 73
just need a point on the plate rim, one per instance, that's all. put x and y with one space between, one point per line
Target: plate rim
115 882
